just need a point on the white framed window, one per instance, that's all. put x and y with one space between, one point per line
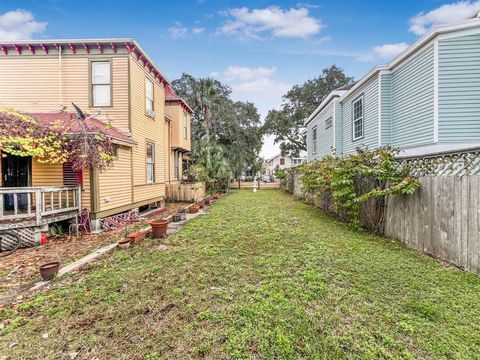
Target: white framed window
328 123
150 162
185 123
149 97
358 125
101 83
314 140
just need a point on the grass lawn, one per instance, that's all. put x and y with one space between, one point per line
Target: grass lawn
262 276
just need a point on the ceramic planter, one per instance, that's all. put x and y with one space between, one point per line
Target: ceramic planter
124 243
201 204
207 200
193 209
137 237
183 214
49 270
176 217
159 228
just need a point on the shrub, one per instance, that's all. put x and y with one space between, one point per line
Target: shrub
357 178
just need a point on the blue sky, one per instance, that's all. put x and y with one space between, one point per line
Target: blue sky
261 48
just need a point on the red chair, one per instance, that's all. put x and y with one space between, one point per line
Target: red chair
82 223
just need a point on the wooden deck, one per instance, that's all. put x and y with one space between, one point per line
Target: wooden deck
22 207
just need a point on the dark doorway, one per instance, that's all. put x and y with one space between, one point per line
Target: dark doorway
16 172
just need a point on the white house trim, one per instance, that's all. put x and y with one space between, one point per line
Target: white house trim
325 102
435 91
380 109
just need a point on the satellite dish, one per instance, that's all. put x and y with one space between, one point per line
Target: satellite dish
80 114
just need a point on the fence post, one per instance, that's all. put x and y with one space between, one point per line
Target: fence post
38 206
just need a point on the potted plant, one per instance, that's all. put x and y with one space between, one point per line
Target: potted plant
201 204
124 243
176 217
207 200
137 237
49 270
159 228
194 208
216 196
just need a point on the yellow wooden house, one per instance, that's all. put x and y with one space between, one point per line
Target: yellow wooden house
116 77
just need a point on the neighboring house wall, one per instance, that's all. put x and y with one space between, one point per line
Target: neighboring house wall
412 100
369 91
324 135
459 89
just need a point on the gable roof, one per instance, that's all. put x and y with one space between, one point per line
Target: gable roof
91 123
334 94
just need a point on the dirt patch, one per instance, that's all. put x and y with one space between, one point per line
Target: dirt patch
19 270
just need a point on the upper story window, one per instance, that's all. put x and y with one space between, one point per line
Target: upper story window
185 124
314 140
150 162
358 125
282 161
101 83
328 123
149 98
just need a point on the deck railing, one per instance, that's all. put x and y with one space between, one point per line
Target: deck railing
22 203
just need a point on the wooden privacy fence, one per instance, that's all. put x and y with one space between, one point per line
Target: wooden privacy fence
441 219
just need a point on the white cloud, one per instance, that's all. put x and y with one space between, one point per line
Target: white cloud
19 24
178 31
262 85
292 23
198 30
214 74
389 51
448 13
383 52
248 73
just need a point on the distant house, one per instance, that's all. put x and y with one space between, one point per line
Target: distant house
425 101
281 162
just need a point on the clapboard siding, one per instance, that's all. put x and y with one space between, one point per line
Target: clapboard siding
30 83
386 108
370 113
115 184
47 174
412 101
459 88
324 136
145 129
338 127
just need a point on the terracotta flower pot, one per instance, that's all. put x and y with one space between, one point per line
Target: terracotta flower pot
124 243
207 200
201 204
159 228
193 209
49 270
137 237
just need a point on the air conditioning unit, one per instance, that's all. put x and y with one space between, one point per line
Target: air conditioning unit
151 113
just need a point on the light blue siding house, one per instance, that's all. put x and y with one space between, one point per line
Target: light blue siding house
425 101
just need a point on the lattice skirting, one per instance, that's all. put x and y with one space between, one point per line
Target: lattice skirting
459 164
27 236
